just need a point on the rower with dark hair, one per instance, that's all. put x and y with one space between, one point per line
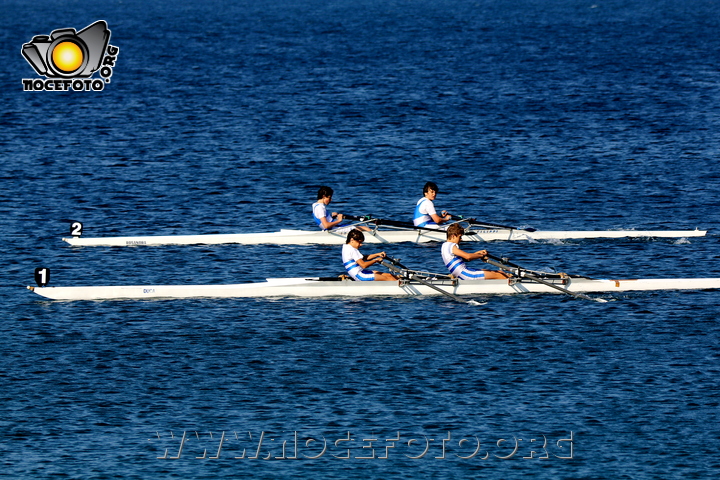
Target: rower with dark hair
425 214
453 258
326 220
356 264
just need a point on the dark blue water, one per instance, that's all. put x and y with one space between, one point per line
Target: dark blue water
226 117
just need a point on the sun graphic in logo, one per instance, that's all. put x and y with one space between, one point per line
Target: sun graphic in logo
67 56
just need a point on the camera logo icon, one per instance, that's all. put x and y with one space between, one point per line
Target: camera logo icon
68 59
66 53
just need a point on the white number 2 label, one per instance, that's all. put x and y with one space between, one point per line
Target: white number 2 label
76 229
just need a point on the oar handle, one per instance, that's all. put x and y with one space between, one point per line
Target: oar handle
395 261
363 218
504 261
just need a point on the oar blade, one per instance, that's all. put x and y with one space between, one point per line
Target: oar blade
476 303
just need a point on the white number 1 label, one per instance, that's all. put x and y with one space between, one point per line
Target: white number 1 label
42 276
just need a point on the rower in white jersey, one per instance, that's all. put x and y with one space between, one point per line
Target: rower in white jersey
453 258
425 214
327 220
356 264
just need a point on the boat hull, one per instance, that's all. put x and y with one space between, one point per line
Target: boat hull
295 287
304 237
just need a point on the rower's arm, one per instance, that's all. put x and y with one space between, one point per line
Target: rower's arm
438 219
468 256
371 259
328 225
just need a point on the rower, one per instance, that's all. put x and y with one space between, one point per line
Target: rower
356 264
425 214
326 220
453 258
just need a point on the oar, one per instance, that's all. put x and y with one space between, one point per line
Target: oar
474 221
520 271
392 223
406 273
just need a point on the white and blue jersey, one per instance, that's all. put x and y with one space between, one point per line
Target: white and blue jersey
457 266
320 211
423 210
422 216
350 257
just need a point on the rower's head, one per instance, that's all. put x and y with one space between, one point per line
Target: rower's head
431 190
325 192
355 235
455 230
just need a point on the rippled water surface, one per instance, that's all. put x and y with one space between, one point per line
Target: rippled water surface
225 117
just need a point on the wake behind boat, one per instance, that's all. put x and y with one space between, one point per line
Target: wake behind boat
380 232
